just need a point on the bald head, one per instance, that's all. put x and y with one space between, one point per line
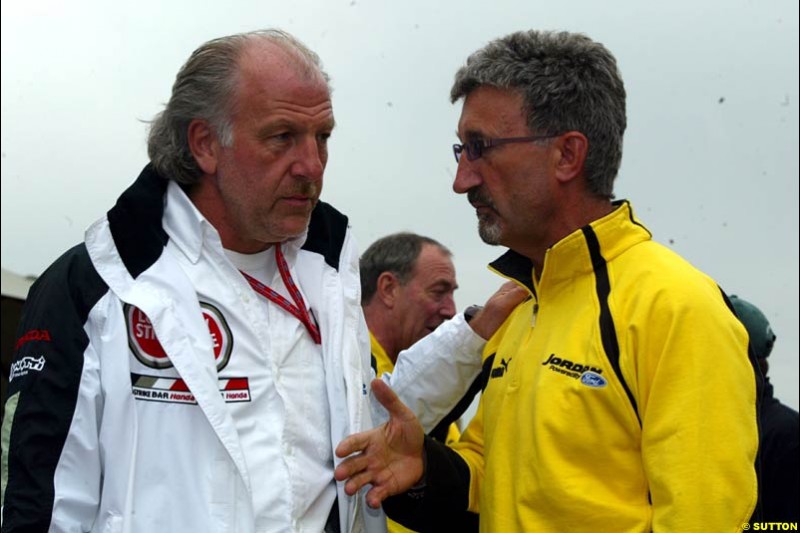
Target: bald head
205 88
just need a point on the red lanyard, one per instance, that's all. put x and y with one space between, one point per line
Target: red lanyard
298 308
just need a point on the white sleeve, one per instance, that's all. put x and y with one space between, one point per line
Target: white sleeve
431 376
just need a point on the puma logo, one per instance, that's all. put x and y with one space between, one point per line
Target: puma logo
500 371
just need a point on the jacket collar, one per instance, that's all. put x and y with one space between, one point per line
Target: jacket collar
189 230
615 232
135 222
139 236
515 266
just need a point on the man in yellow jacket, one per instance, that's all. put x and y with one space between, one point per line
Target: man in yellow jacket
407 286
621 396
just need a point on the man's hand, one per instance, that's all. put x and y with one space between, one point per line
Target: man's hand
389 456
497 308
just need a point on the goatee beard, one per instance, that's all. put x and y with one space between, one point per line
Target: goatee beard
488 231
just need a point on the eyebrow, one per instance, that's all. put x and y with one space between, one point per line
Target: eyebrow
271 127
472 134
445 284
282 124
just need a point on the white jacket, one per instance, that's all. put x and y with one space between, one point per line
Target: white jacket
87 454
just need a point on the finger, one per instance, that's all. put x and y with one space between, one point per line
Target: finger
508 285
350 467
516 294
376 495
390 401
509 295
355 483
354 443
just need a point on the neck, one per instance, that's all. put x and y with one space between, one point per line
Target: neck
207 199
571 217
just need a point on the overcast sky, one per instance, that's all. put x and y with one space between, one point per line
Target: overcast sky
711 151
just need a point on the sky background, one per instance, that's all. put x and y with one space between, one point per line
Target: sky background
710 158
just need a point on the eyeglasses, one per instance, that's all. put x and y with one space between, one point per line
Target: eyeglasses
476 148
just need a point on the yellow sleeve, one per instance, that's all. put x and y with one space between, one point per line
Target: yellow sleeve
696 393
470 445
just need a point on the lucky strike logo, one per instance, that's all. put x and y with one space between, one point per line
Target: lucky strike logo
148 350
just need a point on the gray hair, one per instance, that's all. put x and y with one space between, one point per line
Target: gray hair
568 82
396 253
204 89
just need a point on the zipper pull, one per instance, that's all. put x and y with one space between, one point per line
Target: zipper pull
535 312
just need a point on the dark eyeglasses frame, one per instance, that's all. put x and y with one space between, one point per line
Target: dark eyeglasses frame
476 147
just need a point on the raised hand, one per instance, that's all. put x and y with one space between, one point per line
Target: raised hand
497 308
389 457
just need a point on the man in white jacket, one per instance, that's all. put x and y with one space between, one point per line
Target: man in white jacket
192 364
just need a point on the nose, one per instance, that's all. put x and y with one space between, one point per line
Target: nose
310 160
467 176
448 309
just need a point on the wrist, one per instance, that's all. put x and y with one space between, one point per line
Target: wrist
483 324
471 311
420 484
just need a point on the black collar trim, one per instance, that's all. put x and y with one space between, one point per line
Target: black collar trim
136 225
516 266
135 222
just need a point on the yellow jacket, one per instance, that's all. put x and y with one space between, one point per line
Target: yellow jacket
620 397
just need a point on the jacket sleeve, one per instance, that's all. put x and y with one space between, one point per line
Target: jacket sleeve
51 461
448 499
696 389
442 501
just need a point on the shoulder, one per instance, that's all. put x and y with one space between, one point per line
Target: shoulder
72 279
52 334
655 269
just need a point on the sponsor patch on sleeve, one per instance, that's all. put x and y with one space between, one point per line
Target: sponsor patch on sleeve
24 366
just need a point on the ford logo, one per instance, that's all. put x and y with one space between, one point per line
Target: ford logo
593 379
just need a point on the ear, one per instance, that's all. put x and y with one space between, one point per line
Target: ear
204 145
387 288
570 155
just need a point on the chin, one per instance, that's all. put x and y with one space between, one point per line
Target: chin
490 233
294 228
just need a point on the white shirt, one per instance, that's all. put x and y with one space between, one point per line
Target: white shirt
287 408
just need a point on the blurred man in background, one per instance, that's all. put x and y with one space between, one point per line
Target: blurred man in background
780 427
407 286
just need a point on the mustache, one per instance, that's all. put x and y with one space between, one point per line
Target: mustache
477 196
306 188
